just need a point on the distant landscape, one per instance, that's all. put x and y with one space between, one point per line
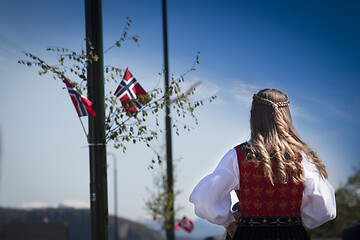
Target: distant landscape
78 222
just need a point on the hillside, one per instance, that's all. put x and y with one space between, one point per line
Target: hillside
79 223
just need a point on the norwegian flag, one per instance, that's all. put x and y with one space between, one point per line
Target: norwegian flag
45 217
186 224
82 105
176 227
129 91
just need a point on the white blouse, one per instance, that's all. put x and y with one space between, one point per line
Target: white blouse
212 200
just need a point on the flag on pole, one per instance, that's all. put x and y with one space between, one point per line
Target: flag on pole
131 94
176 227
45 217
82 105
186 224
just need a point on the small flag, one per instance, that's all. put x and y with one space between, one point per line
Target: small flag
45 217
186 224
131 94
176 227
82 105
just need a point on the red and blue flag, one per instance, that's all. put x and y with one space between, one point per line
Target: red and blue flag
131 94
82 105
186 224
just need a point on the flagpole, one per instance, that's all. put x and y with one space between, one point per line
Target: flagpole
84 129
170 234
97 136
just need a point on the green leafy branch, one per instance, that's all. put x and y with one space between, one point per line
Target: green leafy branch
124 36
121 127
159 203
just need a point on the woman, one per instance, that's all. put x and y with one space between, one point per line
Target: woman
281 183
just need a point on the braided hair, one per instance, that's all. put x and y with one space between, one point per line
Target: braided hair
276 146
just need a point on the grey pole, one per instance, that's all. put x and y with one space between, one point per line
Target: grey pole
97 138
170 233
115 197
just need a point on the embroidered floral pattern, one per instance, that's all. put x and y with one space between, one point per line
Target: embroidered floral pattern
270 206
246 177
294 191
282 205
257 190
258 197
257 176
270 192
282 192
246 191
257 204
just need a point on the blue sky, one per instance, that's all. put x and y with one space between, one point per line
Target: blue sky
307 49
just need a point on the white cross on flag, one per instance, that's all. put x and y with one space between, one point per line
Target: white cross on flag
131 94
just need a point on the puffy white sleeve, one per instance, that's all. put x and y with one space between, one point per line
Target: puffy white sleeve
211 197
318 204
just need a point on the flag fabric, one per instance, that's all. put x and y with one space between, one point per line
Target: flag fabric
82 105
176 227
186 224
45 217
130 91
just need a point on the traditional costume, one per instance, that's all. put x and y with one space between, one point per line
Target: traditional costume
267 211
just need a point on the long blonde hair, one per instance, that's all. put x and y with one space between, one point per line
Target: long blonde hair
276 145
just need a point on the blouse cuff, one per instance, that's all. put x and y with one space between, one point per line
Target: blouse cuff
231 219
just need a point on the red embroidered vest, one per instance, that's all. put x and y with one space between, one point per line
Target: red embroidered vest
258 198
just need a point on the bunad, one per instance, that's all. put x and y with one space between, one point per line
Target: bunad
268 211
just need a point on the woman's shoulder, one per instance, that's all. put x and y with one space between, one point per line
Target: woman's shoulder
307 163
244 145
245 148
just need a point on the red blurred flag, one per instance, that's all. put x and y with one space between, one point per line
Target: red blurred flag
176 226
82 105
131 94
186 224
45 217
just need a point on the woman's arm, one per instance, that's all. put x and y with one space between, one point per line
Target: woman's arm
211 197
318 204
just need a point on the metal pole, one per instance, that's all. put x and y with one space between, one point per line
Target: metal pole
115 197
97 139
115 200
170 234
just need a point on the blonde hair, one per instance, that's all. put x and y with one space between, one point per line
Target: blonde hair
276 146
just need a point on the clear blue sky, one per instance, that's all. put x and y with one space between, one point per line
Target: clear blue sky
308 49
